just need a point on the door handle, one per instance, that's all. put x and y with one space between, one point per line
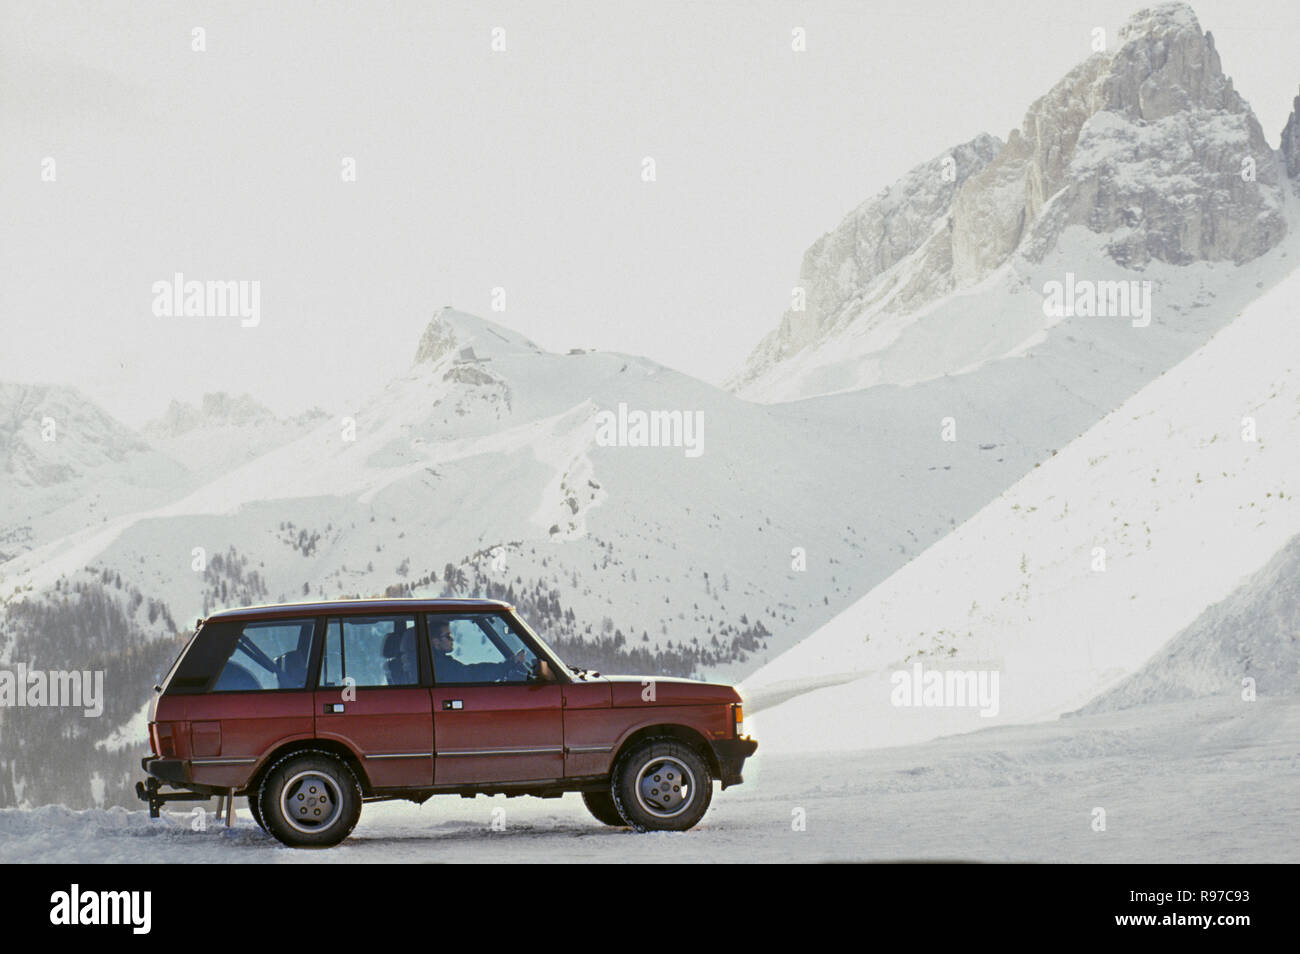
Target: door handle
333 707
453 704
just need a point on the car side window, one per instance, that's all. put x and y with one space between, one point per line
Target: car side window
270 654
478 648
372 651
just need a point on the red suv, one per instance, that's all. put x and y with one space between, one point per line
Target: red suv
311 709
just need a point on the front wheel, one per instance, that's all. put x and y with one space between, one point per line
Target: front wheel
310 800
662 785
602 807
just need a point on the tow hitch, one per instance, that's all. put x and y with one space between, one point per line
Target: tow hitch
148 791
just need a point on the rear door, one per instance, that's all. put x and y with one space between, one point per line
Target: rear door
492 721
371 698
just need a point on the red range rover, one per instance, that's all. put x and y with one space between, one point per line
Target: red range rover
311 709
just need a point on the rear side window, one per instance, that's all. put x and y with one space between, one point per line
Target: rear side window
271 654
371 651
203 658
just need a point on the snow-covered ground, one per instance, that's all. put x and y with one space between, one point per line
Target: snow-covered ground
1204 781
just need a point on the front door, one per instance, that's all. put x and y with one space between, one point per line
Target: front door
370 698
492 721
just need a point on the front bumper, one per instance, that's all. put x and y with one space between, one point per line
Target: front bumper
731 755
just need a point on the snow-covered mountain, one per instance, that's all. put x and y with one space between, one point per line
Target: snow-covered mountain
223 430
65 463
1082 571
1252 634
484 458
68 467
1141 155
82 437
892 254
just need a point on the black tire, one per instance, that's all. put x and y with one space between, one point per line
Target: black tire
322 795
255 810
662 785
602 807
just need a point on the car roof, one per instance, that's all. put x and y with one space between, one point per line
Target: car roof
356 607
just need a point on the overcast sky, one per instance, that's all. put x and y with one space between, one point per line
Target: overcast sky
475 169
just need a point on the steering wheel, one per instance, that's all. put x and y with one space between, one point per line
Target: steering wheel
515 670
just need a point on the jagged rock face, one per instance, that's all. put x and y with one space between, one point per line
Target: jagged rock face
439 340
1051 130
452 332
988 216
1166 65
1172 190
841 272
1147 146
1153 148
1291 141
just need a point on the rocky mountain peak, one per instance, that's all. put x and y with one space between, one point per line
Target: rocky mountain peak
1152 149
1164 65
467 337
1147 147
853 266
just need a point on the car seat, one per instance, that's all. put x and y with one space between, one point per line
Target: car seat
400 668
292 668
235 678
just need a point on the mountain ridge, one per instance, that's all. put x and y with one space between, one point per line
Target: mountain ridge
1145 148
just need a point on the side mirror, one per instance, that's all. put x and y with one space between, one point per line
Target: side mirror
542 672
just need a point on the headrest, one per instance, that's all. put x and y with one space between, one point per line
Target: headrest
396 642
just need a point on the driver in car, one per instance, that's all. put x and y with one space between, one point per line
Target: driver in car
447 668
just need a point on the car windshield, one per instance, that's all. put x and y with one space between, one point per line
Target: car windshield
550 653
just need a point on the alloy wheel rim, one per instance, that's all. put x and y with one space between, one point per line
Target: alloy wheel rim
665 787
311 802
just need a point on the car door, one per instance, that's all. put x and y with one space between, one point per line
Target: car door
492 722
371 697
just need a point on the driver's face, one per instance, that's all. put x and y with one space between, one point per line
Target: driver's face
442 641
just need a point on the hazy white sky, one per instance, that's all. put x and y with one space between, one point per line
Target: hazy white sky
476 169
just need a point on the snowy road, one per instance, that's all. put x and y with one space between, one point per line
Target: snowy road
1208 781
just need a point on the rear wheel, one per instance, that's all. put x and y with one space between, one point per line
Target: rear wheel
662 785
310 800
602 807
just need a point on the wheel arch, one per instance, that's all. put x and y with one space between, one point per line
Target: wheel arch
669 730
331 746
